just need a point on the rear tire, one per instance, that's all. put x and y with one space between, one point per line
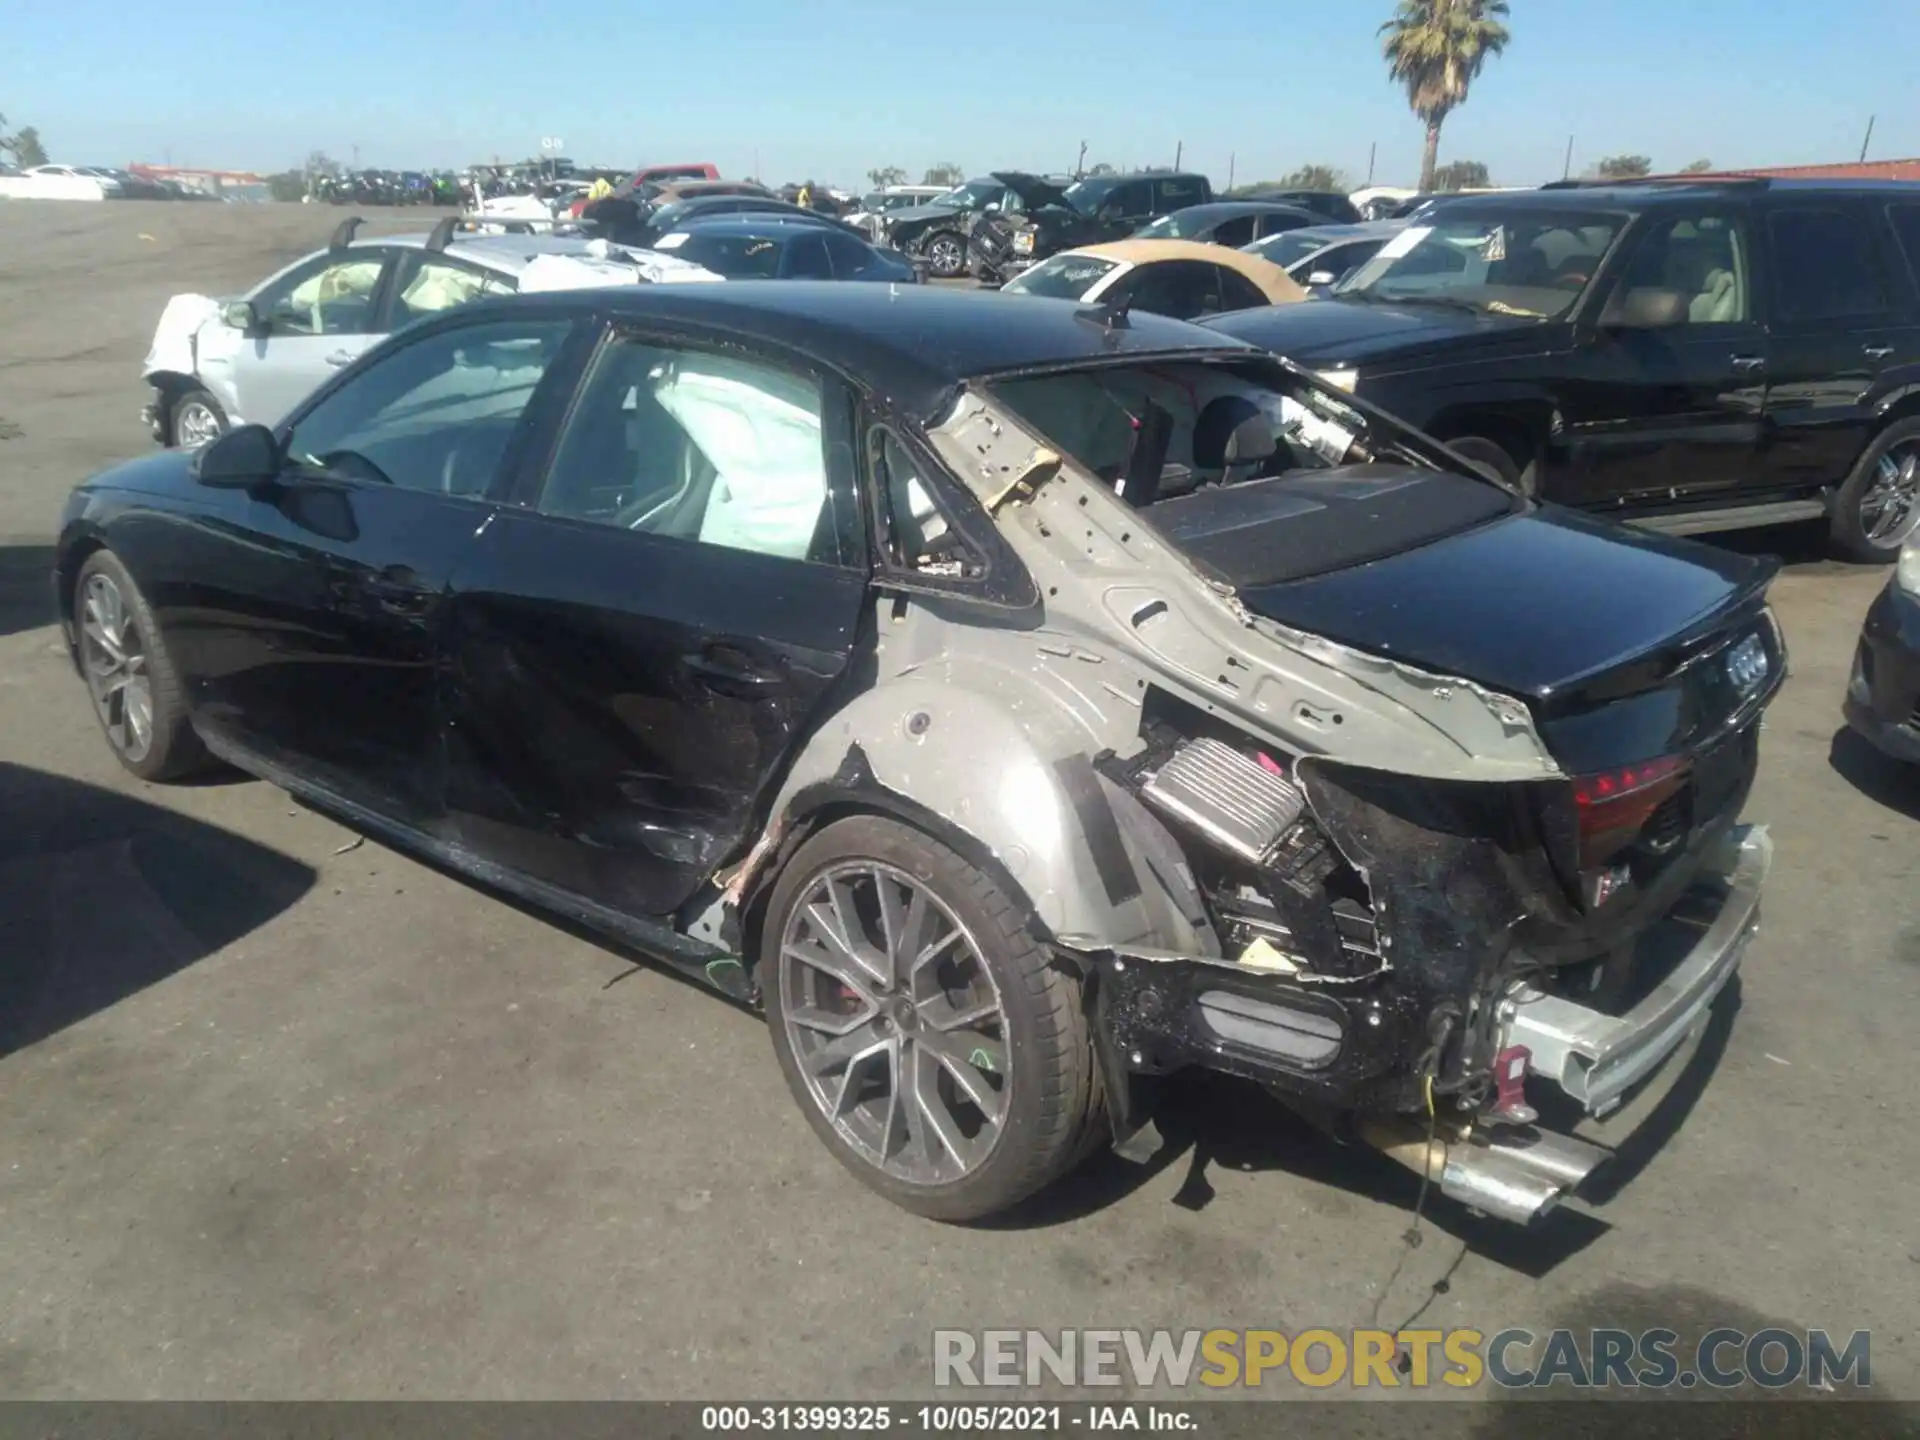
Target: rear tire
955 1086
136 692
1875 511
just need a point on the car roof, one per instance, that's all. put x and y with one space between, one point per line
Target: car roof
914 344
1228 209
1273 282
508 253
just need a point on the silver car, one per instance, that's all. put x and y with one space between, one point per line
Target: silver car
216 364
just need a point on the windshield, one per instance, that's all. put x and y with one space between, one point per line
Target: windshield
1064 277
972 195
1287 247
1520 262
738 257
1257 473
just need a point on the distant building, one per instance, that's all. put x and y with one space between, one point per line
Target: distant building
1856 170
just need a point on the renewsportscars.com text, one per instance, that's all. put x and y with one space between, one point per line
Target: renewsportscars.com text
1657 1359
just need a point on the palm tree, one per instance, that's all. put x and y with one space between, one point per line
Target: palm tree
1436 48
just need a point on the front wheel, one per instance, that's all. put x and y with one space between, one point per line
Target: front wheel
933 1045
197 420
1878 508
947 255
136 692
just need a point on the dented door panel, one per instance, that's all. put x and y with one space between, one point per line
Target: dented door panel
617 701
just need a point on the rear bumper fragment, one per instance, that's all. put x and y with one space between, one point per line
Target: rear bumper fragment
1595 1057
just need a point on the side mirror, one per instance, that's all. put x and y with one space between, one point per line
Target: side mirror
1322 277
239 459
241 315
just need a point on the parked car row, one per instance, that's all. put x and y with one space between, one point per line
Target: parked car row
93 182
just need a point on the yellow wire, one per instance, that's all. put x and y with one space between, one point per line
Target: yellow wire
1430 1096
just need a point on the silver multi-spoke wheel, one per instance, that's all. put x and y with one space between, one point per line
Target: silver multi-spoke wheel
896 1023
195 424
113 655
1890 504
947 256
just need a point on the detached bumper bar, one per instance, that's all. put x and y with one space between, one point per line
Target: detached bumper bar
1596 1058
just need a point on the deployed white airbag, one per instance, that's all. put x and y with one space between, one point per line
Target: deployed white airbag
761 431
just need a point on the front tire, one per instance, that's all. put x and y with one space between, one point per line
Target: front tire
197 420
136 692
931 1042
946 253
1877 508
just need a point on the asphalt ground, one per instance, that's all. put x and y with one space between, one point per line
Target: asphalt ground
282 1116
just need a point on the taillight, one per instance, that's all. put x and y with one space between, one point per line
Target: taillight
1615 805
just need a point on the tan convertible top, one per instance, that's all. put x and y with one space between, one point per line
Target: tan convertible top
1279 287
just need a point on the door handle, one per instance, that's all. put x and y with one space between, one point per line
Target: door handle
339 358
1749 364
1876 352
728 672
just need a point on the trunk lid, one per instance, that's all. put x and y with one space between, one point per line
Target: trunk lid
1627 646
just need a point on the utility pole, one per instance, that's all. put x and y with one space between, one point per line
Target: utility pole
1080 161
1230 159
1869 140
1566 171
1179 149
1373 154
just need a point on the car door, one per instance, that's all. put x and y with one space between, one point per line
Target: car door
311 643
314 320
1834 329
1661 396
633 654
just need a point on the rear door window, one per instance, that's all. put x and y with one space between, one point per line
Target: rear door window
1178 192
1236 232
1825 265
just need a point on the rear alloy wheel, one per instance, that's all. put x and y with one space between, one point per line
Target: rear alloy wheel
930 1041
197 420
1878 509
135 691
947 255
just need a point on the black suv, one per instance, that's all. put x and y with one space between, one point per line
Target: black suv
1692 356
1091 210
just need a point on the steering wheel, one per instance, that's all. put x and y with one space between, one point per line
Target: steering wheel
352 465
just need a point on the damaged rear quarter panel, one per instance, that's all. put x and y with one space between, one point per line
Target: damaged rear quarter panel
1112 586
971 714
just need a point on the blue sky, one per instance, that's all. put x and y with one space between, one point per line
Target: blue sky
834 90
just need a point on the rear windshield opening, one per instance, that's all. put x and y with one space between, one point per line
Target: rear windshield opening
1256 473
